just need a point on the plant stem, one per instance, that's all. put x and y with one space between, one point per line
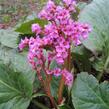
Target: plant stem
61 87
47 88
69 60
40 77
48 92
69 68
67 65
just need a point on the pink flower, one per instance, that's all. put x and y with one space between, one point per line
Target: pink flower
23 43
62 14
57 72
85 29
70 5
68 2
49 72
43 15
51 56
48 11
31 58
36 28
59 60
60 49
50 5
68 77
61 54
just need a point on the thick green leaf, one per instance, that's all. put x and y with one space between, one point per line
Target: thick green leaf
14 104
98 64
15 89
25 28
87 93
9 54
16 75
17 61
81 56
97 15
8 38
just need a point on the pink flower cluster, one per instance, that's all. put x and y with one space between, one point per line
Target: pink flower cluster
58 34
58 72
23 44
36 28
63 23
37 58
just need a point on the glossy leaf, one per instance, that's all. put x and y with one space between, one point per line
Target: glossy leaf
87 93
15 89
97 15
81 56
16 61
25 28
8 38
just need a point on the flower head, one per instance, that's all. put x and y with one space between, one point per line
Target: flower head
48 11
36 28
68 77
24 43
58 35
57 72
70 5
68 2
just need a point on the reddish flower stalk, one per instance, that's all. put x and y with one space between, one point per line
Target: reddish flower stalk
47 86
62 81
60 91
69 60
48 92
40 77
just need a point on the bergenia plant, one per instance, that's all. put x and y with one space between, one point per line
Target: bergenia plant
57 37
